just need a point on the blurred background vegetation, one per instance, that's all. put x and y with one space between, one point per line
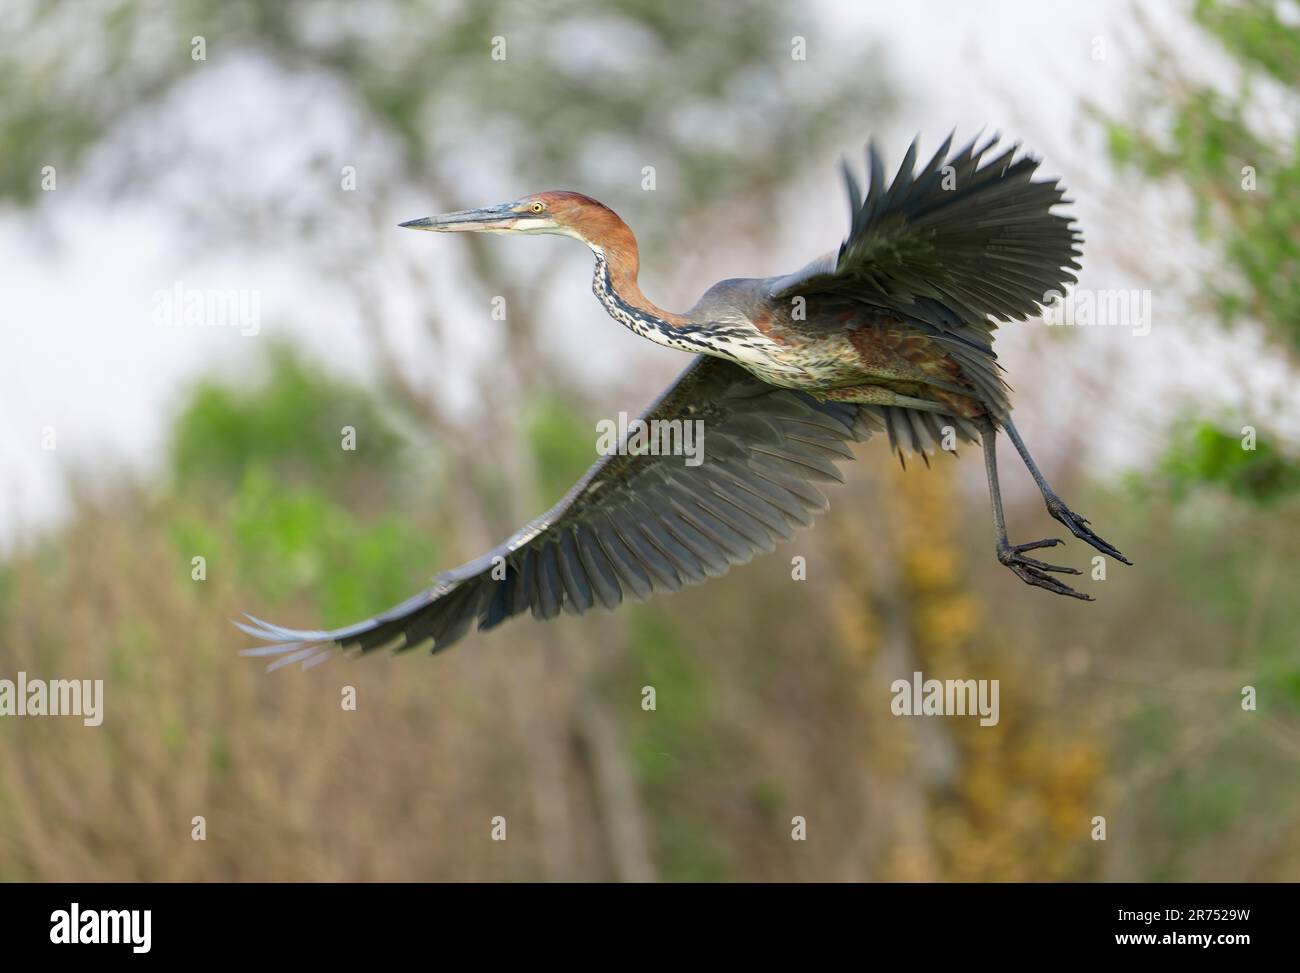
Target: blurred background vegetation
772 695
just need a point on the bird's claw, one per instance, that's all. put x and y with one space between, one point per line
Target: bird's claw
1034 572
1078 526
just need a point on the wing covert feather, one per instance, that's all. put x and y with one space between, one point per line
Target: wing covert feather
634 525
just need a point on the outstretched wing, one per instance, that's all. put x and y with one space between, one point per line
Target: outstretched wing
977 237
633 525
948 248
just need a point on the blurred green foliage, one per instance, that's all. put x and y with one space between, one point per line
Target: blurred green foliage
1235 149
1228 574
291 422
304 540
1237 153
1201 453
559 437
1239 160
273 451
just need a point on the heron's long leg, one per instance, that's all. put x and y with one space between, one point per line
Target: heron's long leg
1055 505
989 440
1029 570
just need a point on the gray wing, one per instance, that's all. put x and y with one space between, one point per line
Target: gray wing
634 525
948 248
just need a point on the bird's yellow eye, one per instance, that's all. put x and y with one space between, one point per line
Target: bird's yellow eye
537 207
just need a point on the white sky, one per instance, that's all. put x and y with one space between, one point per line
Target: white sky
79 352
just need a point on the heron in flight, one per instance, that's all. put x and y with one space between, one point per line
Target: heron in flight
891 332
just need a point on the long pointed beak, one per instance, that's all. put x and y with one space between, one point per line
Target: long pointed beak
500 217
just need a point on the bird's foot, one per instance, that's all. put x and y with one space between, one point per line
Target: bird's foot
1035 572
1079 527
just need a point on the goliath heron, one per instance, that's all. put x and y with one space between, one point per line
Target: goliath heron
893 331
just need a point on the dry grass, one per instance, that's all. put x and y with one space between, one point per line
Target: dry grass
773 701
